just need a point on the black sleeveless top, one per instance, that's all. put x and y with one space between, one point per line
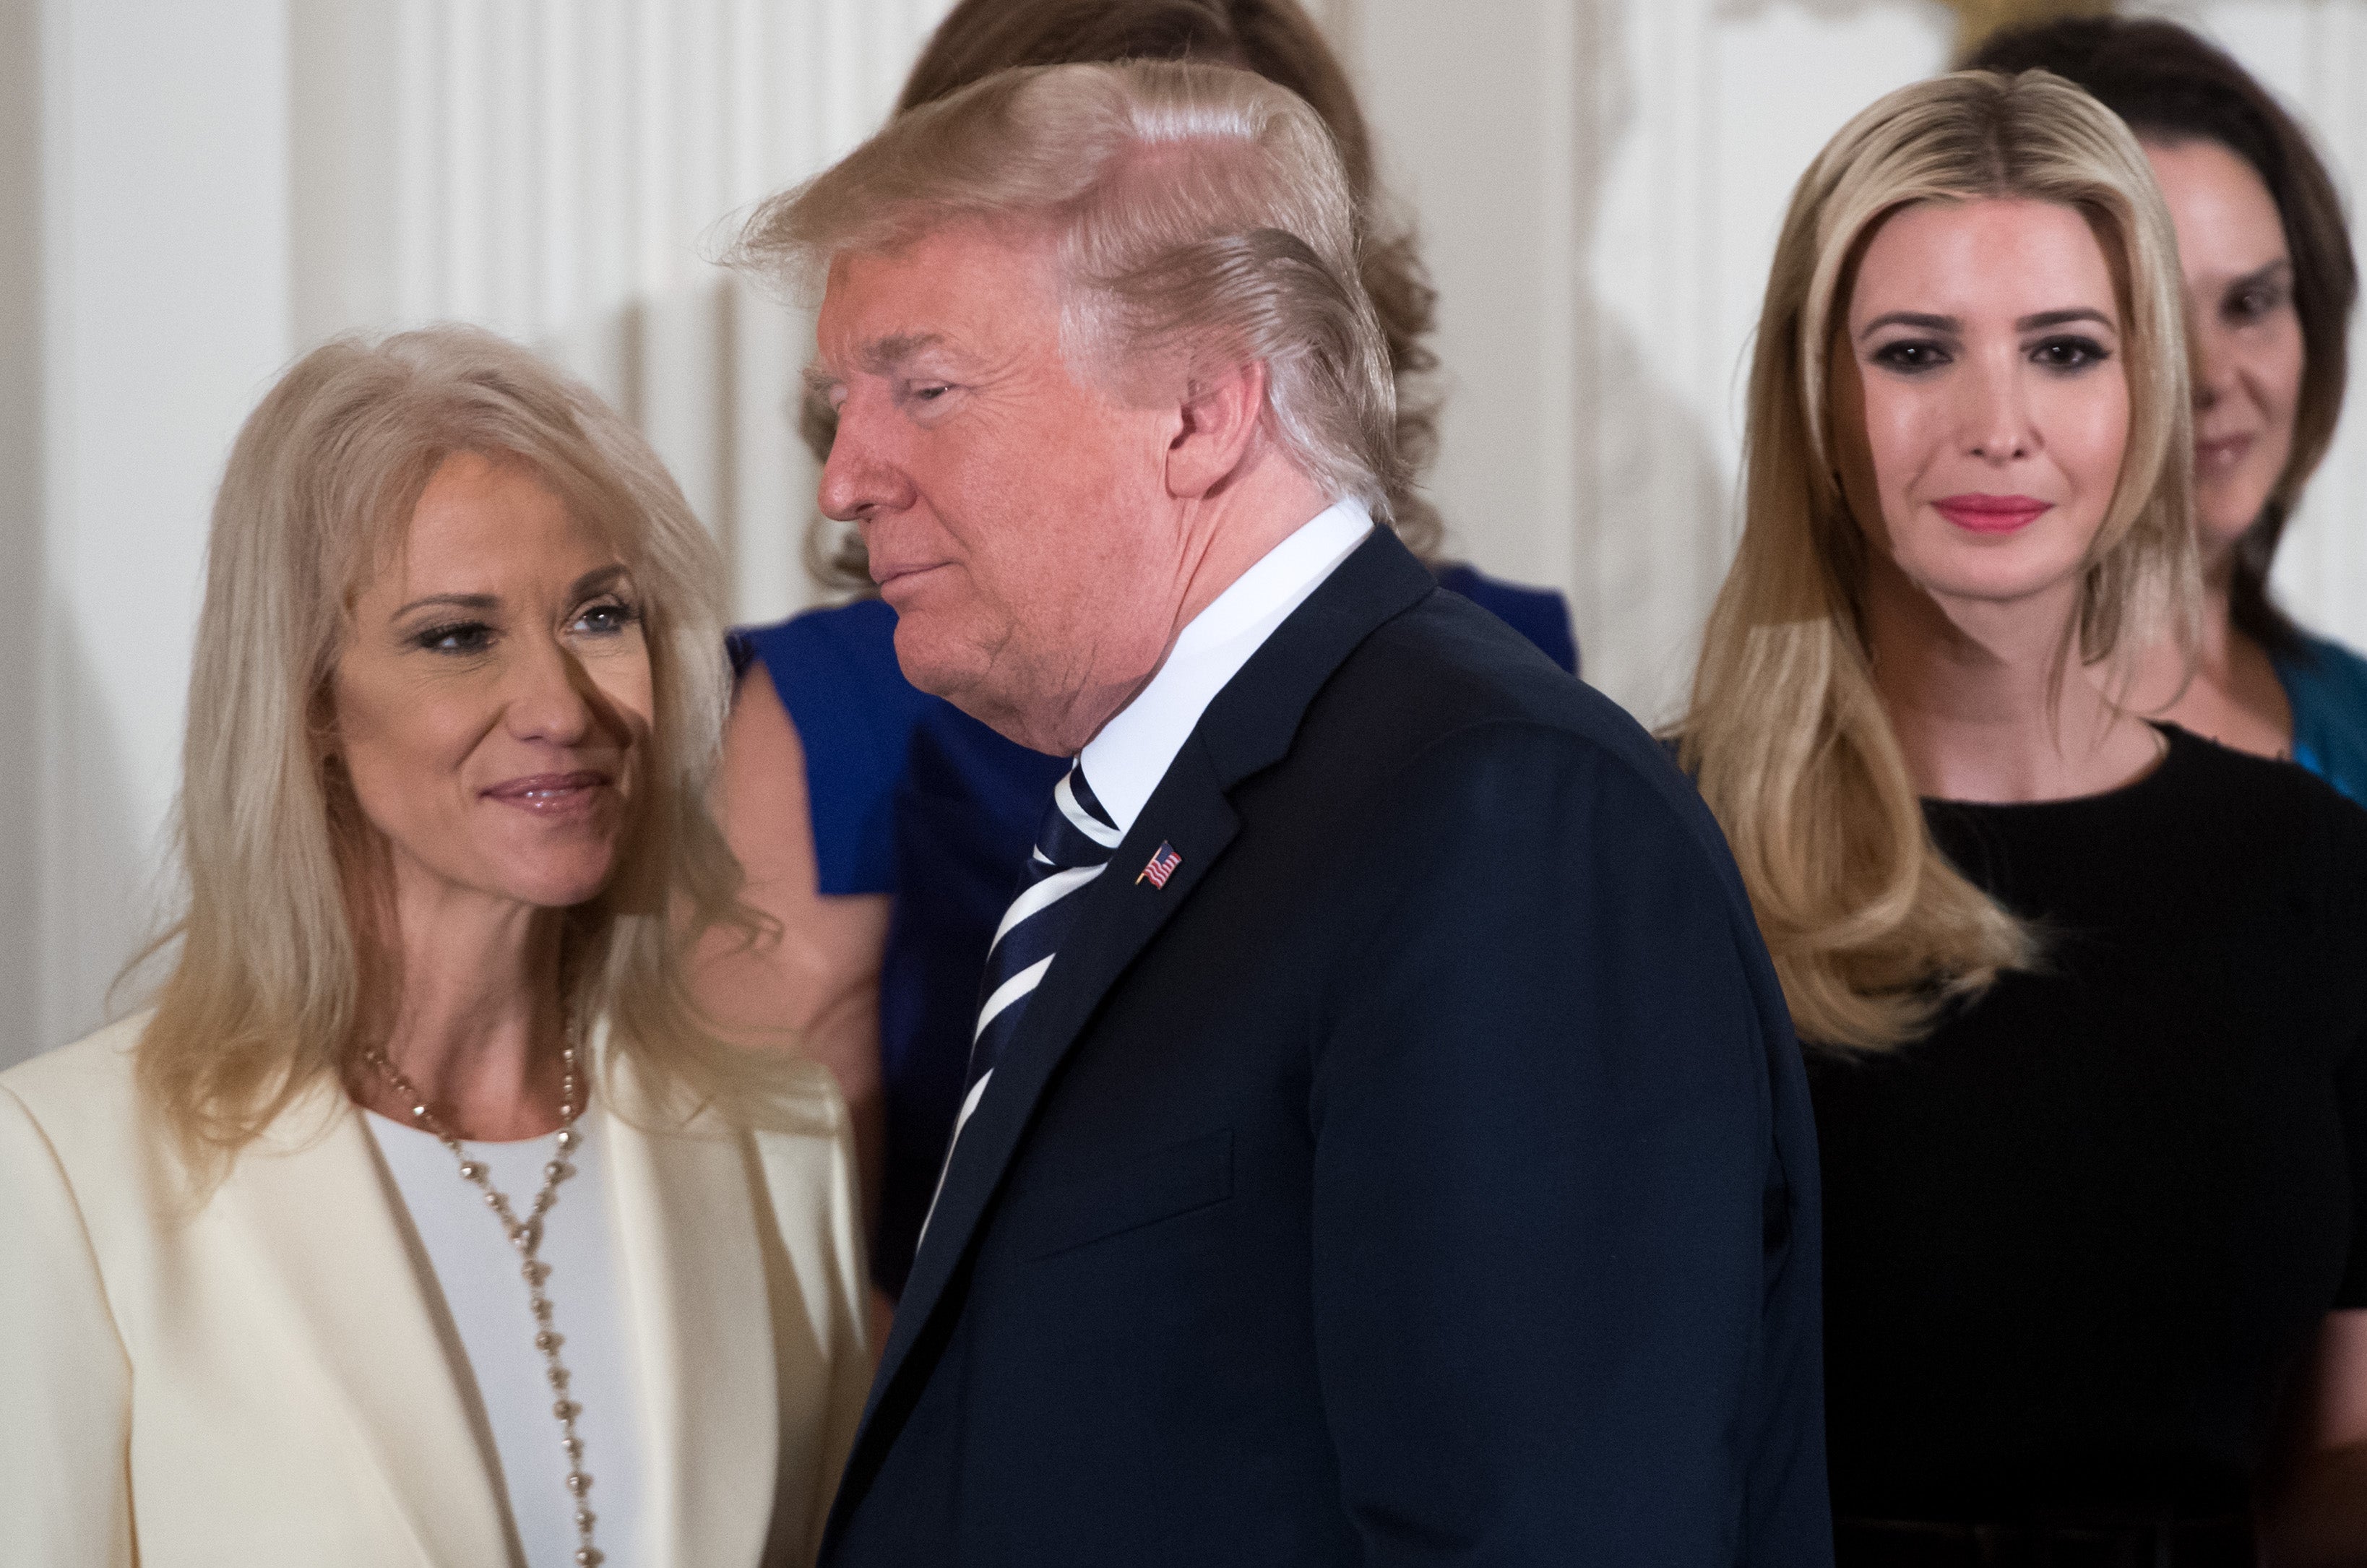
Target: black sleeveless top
2075 1239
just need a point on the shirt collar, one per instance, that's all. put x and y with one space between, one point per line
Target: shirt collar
1124 763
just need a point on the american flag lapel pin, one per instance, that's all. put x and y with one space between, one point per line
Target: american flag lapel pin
1163 865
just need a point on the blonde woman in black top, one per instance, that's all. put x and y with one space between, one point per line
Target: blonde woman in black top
2087 997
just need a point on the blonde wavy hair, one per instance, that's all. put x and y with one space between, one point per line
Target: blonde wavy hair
281 968
1201 215
1871 929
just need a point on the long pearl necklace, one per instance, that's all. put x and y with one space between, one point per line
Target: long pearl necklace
527 1236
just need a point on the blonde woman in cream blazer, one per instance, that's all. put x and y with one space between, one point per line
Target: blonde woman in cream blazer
271 1381
421 1221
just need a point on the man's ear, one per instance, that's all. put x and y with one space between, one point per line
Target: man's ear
1217 429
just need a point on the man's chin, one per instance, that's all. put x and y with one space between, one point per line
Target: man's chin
936 665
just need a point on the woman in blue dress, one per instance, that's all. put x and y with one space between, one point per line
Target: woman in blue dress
2270 281
884 829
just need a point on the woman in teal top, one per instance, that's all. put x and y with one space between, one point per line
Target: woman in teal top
2326 685
2269 283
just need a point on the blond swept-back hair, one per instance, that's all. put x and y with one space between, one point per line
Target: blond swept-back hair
283 961
1201 216
1871 929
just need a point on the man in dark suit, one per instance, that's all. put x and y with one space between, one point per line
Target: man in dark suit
1384 1141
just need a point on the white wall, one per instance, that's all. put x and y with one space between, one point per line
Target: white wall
160 214
190 194
20 515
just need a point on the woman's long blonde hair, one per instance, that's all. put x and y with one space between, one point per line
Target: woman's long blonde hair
1871 929
282 961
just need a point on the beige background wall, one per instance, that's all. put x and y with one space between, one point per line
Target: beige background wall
190 194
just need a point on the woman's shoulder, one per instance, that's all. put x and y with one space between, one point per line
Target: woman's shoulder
2326 684
2269 815
861 632
835 673
88 1088
836 670
1540 615
2320 663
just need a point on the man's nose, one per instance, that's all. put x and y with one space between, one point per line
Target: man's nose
861 477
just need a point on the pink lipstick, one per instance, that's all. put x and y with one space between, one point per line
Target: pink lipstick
1992 513
551 794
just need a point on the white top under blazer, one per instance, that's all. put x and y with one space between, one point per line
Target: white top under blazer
269 1379
484 1290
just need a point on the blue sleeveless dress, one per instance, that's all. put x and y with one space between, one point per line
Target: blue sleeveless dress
913 797
2327 685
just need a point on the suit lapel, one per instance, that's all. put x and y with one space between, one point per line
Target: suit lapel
1247 728
322 1221
685 1227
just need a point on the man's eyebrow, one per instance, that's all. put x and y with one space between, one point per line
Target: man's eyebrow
880 358
887 353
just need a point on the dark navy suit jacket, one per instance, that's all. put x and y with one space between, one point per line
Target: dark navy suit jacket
1425 1175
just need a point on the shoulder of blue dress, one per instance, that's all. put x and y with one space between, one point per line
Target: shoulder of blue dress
2327 685
833 655
835 673
1540 615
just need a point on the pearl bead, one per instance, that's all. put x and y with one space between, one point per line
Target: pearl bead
567 1410
578 1483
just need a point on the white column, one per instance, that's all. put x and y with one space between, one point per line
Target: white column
164 288
1598 184
20 523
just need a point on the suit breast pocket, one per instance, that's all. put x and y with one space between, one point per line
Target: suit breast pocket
1162 1185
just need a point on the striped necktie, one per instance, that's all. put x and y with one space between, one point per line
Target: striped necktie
1072 848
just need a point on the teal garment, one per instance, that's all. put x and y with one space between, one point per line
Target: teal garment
2326 683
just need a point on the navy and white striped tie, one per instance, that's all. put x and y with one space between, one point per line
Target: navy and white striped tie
1072 848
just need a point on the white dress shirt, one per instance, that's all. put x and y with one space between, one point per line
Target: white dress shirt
1124 763
477 1272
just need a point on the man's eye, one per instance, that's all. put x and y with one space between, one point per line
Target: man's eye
929 391
458 637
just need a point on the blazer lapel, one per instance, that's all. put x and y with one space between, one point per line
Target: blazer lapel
696 1295
1247 728
323 1224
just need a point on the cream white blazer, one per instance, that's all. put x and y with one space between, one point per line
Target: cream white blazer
270 1379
